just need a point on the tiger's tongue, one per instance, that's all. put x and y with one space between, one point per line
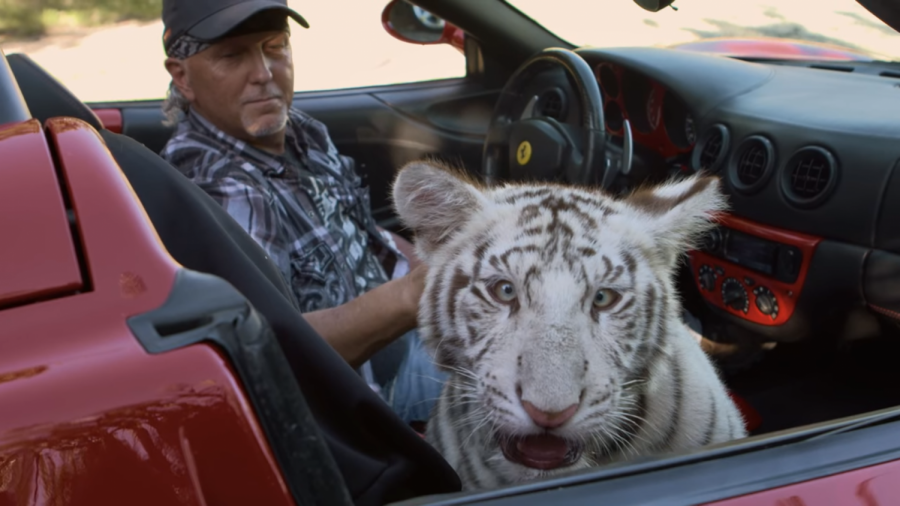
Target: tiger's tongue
542 452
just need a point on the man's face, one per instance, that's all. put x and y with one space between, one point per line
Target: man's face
243 84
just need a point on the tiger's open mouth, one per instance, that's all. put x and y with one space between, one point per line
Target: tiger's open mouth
542 451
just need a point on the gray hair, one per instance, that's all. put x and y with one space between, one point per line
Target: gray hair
174 106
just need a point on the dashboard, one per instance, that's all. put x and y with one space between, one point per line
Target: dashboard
659 120
810 161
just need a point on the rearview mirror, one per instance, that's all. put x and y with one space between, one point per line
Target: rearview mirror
413 24
654 5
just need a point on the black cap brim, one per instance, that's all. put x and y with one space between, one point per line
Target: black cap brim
227 19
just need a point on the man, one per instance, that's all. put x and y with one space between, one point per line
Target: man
276 172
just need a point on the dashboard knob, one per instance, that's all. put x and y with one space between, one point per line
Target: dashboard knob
707 278
734 295
713 240
766 301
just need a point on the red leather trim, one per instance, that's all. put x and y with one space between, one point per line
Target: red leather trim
887 312
785 293
806 243
752 419
111 119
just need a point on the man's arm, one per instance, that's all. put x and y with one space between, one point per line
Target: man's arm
357 329
368 323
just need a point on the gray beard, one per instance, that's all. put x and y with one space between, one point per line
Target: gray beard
267 127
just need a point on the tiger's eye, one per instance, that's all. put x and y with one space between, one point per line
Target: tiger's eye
504 291
605 298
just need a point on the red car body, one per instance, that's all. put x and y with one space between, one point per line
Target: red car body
772 49
89 417
869 486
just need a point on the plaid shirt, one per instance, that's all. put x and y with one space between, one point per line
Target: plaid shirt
307 209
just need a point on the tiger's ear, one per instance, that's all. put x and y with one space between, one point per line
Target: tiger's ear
677 214
434 202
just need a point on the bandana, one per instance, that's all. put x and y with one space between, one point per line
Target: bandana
186 46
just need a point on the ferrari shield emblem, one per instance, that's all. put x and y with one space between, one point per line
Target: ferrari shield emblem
523 154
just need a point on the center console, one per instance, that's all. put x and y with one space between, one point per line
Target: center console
752 271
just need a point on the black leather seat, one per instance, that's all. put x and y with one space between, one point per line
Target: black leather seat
45 96
380 458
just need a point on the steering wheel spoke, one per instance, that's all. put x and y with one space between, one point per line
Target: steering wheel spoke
496 145
618 158
573 170
498 135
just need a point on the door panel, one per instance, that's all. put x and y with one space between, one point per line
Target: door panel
143 121
386 127
381 128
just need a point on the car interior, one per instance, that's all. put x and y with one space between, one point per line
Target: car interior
802 275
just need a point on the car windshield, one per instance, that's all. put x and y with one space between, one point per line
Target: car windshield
608 23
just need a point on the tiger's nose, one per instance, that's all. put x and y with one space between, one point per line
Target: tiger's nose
549 420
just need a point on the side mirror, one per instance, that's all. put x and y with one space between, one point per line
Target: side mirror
654 5
413 24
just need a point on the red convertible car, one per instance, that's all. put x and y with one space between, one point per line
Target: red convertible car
150 352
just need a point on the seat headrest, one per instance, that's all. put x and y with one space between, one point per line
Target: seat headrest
46 97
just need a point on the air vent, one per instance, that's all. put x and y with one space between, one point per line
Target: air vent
752 164
809 177
711 149
552 104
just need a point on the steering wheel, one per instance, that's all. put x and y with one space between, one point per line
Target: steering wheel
521 146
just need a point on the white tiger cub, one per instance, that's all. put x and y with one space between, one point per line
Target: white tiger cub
555 311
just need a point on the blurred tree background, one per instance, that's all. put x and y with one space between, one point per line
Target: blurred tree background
31 18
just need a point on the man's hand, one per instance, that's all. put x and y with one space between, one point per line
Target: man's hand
368 323
408 250
414 288
405 247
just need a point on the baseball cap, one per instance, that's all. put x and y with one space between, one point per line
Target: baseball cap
208 20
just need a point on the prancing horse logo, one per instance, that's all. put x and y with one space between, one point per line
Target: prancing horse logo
523 154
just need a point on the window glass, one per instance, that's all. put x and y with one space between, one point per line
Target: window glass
841 24
102 60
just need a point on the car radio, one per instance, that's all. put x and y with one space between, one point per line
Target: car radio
751 270
781 261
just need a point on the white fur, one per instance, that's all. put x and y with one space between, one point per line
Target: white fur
553 347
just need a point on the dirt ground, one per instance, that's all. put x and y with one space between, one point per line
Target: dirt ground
346 45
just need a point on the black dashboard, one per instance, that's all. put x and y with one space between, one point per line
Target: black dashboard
810 159
804 149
